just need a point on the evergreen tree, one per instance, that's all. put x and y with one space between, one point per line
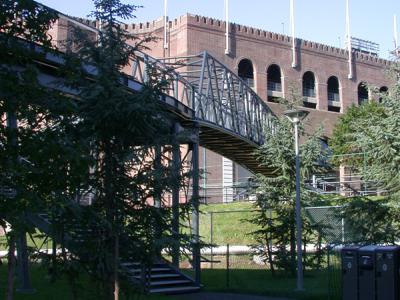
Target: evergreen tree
371 221
372 129
276 195
121 131
103 142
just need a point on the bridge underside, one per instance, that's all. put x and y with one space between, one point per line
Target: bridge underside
227 144
232 147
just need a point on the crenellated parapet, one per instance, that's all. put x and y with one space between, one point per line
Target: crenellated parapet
241 31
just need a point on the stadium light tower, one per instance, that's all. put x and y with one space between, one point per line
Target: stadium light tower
295 117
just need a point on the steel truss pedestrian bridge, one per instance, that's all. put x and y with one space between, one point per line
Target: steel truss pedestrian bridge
231 116
198 88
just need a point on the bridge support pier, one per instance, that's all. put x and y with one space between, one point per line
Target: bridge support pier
176 162
195 209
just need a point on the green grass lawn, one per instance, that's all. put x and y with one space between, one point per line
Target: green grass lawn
59 290
229 227
38 241
257 282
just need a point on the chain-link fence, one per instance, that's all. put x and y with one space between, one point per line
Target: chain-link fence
240 267
231 262
332 224
334 272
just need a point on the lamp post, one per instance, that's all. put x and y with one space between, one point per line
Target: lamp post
295 117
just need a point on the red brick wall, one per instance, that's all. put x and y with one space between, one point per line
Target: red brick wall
192 34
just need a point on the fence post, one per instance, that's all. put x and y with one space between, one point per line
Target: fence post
227 265
329 274
212 237
343 238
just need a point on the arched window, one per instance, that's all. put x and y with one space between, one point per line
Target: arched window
245 71
274 83
362 92
333 94
383 91
309 84
309 90
274 78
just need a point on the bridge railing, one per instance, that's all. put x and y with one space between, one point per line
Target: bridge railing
222 98
145 68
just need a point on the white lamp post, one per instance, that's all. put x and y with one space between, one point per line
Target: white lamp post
295 117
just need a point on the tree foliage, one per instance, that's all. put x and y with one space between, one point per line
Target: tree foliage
371 221
373 129
22 100
342 142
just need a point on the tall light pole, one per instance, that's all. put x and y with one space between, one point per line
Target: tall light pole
295 117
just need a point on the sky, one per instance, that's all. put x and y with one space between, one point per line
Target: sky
320 21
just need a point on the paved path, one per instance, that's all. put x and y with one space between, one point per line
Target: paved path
223 296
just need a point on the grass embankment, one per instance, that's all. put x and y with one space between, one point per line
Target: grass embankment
230 225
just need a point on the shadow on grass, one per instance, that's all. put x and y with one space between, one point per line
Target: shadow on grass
261 282
243 281
59 290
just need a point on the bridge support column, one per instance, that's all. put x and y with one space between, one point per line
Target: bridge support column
176 162
22 248
195 209
157 199
25 286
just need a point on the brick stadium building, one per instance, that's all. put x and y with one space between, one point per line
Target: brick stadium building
264 60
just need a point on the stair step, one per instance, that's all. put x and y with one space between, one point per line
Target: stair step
129 264
169 282
174 290
153 270
170 275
